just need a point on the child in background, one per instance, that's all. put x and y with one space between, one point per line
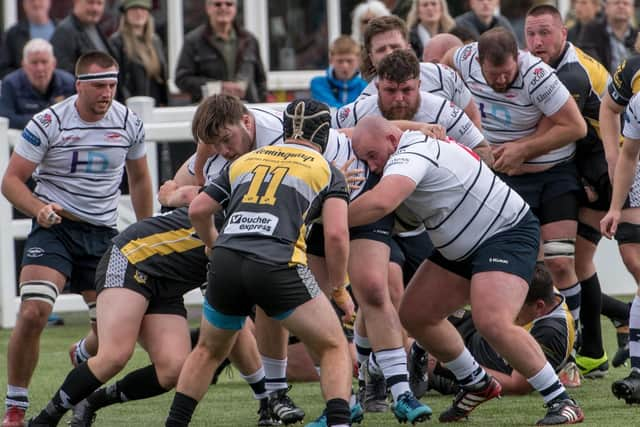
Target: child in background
342 84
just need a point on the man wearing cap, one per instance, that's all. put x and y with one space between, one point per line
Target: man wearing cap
270 196
76 151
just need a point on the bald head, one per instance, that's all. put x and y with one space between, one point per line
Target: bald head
438 46
374 139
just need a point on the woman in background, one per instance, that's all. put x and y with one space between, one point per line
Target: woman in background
426 19
140 53
362 14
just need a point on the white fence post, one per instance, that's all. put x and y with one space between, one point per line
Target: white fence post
7 256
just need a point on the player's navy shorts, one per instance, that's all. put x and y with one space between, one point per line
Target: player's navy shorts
164 296
512 251
236 283
542 190
73 248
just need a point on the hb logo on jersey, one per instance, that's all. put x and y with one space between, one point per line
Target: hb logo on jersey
96 162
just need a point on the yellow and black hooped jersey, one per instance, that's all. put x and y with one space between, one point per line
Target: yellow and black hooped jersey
586 79
626 81
270 196
165 246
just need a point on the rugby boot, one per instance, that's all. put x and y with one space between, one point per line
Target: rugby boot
628 388
593 368
622 354
409 409
468 398
357 415
283 408
265 419
83 415
375 390
562 411
417 368
14 417
569 375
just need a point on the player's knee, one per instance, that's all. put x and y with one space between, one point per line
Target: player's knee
491 326
559 256
631 261
38 298
169 371
115 361
375 294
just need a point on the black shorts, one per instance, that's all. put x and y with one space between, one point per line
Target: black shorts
164 296
236 283
73 248
512 251
539 189
409 252
593 171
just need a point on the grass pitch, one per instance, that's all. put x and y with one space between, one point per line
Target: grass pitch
230 403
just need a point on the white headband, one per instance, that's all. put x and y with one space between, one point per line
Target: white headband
109 75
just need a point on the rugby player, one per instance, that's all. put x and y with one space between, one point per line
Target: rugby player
586 79
76 151
265 239
625 187
385 34
530 118
485 240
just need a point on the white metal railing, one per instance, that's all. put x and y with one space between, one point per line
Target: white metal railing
173 124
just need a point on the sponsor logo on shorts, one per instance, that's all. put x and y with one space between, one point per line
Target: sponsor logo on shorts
251 222
34 252
494 260
30 137
140 277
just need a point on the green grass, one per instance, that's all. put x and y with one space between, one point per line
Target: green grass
230 402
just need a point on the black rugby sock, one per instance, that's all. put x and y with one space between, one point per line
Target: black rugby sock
615 310
139 384
181 410
590 308
79 383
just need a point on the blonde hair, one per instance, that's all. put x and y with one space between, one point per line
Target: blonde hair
444 25
344 45
141 49
375 7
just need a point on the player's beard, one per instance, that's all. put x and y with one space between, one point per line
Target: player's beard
400 112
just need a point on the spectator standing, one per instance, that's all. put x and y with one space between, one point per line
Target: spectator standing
611 38
342 84
37 25
79 33
362 14
220 50
140 53
482 17
35 86
426 19
585 11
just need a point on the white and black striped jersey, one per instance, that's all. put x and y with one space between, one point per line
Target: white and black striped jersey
339 151
437 79
460 201
433 109
514 114
269 131
631 128
80 164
